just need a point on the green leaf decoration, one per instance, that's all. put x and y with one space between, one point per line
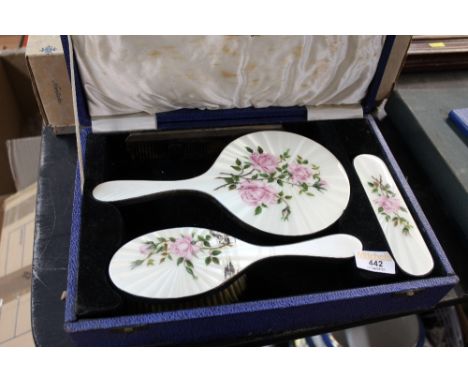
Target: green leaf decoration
172 239
237 168
260 150
380 209
258 210
180 260
150 262
190 271
215 260
238 162
189 263
162 260
207 260
232 187
215 252
285 212
136 263
248 149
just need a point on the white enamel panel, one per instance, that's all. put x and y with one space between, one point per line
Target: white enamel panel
182 262
275 181
402 234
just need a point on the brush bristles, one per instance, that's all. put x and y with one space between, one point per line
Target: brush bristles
228 295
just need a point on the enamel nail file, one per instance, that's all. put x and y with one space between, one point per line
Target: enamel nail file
402 234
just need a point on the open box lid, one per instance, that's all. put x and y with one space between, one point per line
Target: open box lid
135 83
123 82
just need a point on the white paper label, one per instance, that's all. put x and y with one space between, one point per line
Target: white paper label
380 262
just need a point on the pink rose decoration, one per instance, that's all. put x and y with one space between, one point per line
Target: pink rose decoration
389 204
255 193
299 173
145 249
183 247
323 183
264 162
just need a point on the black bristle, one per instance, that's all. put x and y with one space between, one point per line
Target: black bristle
230 294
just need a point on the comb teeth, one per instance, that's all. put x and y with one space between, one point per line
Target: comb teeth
155 150
228 295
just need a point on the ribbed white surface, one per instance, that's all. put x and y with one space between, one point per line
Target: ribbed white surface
309 214
410 251
169 280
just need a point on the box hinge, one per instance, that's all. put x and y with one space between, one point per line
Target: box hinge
124 123
330 112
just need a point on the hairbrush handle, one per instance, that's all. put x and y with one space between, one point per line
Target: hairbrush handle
118 190
337 246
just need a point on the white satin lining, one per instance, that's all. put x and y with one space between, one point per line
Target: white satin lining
152 74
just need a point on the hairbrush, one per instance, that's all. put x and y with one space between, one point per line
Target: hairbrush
205 265
278 182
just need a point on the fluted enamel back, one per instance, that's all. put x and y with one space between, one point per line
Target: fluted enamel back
278 182
311 195
402 234
181 262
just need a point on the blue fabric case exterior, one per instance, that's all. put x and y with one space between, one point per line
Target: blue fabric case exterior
257 318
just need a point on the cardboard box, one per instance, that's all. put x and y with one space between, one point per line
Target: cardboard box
10 127
17 73
16 250
10 42
19 115
51 83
